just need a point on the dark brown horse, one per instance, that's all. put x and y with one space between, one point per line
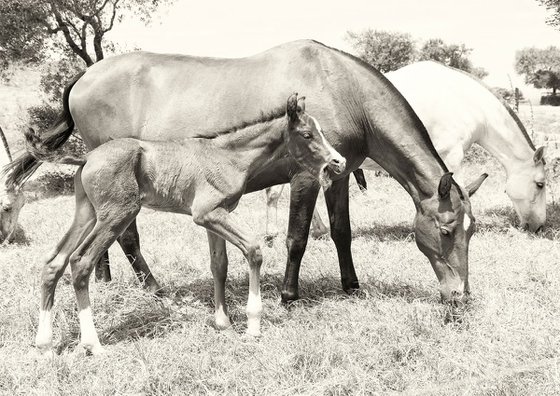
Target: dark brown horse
166 97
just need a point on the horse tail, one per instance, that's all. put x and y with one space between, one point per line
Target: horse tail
40 151
20 169
360 179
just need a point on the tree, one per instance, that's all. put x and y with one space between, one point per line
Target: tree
554 6
30 30
386 51
541 67
454 55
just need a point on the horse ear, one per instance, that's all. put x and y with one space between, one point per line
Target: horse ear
539 155
471 188
292 107
301 104
445 184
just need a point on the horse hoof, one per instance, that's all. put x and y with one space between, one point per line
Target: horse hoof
45 353
253 332
351 288
289 296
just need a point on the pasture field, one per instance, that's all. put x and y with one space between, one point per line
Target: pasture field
388 338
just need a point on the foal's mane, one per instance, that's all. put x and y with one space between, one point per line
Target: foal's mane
262 118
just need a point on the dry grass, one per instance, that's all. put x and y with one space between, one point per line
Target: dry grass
388 338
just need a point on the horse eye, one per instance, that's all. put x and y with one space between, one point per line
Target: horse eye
307 135
540 184
444 231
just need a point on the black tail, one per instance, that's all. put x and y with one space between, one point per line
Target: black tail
20 169
41 152
360 179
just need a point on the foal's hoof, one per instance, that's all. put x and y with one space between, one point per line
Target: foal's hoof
95 350
223 323
253 332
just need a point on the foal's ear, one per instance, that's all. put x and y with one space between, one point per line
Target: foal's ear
539 155
292 107
471 188
301 104
445 184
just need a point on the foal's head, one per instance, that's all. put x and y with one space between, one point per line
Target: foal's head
307 144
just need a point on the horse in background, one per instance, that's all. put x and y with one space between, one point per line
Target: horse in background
11 198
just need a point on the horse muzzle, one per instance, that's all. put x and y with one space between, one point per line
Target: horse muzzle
337 165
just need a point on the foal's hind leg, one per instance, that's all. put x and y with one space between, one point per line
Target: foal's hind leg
219 267
130 244
110 224
220 222
57 260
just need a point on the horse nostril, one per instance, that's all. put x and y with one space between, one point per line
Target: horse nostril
538 229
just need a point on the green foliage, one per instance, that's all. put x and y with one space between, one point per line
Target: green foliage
541 67
31 30
554 6
386 51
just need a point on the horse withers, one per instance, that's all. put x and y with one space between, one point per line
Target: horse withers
203 177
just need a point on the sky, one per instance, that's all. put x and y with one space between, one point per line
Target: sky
494 29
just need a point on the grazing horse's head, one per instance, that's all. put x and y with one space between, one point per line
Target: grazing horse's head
443 227
526 188
307 144
11 199
11 202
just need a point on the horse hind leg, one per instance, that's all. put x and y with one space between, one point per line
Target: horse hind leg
108 227
130 244
56 262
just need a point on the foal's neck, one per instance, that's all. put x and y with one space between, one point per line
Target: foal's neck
254 146
505 140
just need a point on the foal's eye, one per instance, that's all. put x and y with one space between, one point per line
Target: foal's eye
540 184
307 135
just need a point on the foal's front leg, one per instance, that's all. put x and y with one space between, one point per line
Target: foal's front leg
219 267
220 222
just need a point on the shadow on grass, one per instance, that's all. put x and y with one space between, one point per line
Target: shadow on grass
133 314
20 238
383 232
501 219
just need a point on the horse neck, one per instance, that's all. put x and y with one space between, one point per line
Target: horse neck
401 145
505 140
254 146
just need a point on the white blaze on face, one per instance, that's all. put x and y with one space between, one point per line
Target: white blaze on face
466 222
333 153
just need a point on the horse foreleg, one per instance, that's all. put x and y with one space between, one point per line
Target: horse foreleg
130 244
272 196
337 204
303 195
219 267
220 222
105 232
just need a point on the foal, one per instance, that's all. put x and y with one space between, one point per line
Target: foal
202 177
